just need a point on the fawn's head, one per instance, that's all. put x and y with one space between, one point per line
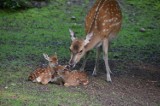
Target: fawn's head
62 70
78 48
53 60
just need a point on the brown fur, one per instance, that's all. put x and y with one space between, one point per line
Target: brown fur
73 78
76 46
108 10
55 77
44 75
102 23
35 74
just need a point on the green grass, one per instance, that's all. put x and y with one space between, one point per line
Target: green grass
36 94
134 44
26 34
34 97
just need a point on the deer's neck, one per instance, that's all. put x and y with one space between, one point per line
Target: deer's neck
51 68
95 41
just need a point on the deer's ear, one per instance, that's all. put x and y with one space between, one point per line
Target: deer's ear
72 35
46 56
88 38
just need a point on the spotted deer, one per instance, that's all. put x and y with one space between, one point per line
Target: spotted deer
102 23
45 75
55 77
73 78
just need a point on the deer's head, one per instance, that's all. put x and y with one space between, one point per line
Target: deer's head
78 48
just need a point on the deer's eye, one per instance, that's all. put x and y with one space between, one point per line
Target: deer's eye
80 52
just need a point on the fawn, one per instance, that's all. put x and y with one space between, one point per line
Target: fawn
45 75
55 77
73 78
102 23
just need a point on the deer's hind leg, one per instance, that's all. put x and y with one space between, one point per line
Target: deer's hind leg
105 57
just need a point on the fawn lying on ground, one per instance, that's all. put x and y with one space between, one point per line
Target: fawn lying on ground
55 77
58 74
45 75
73 78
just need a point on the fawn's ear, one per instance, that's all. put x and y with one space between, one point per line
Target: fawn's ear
88 38
46 57
55 54
72 35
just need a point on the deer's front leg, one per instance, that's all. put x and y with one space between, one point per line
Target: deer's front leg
84 62
97 61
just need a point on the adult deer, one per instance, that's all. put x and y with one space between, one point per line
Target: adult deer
102 23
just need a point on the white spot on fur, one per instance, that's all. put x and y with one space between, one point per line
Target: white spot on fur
38 79
110 20
104 30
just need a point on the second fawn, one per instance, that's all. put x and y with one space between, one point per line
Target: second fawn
73 78
55 77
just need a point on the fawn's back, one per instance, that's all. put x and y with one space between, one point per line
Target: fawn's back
74 78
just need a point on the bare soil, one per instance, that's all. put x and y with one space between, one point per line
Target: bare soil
137 85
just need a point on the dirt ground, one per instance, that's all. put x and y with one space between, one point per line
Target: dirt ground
138 86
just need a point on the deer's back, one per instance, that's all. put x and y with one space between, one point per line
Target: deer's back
104 18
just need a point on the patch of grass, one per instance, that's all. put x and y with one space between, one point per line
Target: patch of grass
25 35
134 44
37 96
144 4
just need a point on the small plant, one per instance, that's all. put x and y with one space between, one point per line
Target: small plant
16 4
13 4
